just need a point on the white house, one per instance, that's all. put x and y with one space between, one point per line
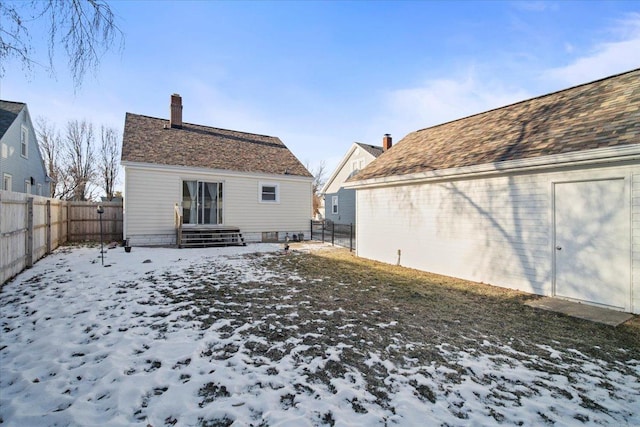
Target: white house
340 202
541 196
212 179
21 166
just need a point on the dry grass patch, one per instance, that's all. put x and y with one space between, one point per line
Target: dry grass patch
457 310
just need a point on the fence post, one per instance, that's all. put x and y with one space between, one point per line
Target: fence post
68 221
62 238
29 243
350 237
114 235
48 224
323 224
333 231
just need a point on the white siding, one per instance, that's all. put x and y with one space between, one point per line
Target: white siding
151 194
495 230
635 233
357 155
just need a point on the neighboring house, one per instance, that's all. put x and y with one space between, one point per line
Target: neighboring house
21 167
339 202
215 178
541 196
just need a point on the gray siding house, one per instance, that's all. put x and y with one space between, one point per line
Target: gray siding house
21 167
340 202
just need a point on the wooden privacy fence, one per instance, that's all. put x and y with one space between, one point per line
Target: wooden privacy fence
32 226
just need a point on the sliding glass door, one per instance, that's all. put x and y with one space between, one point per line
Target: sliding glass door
202 202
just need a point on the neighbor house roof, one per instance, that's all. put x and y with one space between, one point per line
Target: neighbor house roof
152 140
600 114
9 110
374 150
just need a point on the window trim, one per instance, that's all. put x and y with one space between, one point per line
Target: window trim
27 186
357 165
24 141
262 185
334 205
7 177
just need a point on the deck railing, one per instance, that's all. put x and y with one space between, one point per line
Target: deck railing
177 217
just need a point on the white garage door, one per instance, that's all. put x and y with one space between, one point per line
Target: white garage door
592 242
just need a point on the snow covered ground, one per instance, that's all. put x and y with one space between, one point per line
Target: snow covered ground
214 337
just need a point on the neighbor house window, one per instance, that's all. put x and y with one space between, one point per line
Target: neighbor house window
334 204
269 192
24 142
6 182
39 187
27 186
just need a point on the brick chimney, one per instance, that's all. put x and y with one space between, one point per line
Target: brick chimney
175 120
386 142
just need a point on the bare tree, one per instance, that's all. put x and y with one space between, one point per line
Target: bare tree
50 144
85 28
319 178
79 159
109 159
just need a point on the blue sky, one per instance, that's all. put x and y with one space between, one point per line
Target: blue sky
321 75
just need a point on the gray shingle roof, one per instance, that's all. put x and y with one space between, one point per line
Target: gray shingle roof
9 110
374 150
151 140
600 114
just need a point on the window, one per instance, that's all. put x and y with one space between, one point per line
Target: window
202 202
24 142
27 186
269 193
334 204
39 187
357 165
7 182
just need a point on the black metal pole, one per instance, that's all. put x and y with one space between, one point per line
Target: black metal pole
100 212
101 244
333 232
350 237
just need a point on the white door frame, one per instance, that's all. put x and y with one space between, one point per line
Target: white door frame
627 212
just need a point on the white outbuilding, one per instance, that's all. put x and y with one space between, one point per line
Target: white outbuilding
541 196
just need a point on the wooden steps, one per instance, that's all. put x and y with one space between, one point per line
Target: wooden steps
205 237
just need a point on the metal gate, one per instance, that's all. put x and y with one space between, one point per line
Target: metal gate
337 234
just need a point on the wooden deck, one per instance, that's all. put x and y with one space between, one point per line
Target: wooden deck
204 236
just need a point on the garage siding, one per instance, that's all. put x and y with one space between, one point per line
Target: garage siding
495 230
635 230
492 230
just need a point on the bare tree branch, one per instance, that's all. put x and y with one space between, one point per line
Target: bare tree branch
79 158
14 37
86 29
319 178
49 142
109 159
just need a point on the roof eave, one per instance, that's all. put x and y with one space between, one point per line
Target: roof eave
338 168
182 169
579 158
